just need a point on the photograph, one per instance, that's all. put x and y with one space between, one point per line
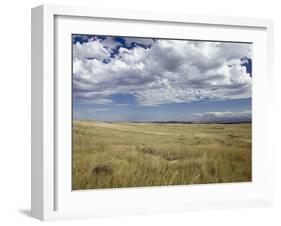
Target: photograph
150 111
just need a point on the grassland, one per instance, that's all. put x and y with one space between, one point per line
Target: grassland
113 155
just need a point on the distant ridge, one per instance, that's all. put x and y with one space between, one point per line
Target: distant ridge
173 122
193 122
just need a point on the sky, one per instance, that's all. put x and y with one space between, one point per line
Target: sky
128 79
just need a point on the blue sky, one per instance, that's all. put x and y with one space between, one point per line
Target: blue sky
141 79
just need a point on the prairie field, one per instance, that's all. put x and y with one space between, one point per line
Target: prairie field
115 155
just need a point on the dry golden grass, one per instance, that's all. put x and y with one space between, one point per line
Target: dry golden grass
114 155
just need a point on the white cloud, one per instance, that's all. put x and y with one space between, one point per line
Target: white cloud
170 71
223 116
91 49
96 101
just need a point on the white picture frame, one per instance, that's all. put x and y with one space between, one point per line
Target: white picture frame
48 166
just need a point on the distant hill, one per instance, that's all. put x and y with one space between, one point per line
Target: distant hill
194 122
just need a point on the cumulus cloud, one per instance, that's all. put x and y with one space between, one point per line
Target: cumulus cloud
90 49
169 71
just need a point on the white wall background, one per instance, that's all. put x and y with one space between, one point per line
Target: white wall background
15 112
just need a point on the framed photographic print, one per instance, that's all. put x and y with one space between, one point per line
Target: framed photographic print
137 113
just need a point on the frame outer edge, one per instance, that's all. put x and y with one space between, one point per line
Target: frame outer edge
166 17
42 88
42 111
48 114
270 105
37 113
